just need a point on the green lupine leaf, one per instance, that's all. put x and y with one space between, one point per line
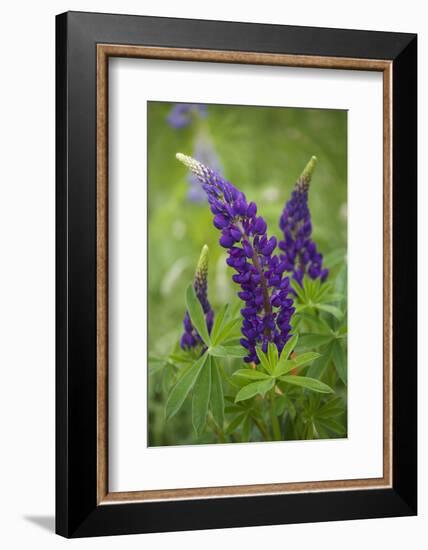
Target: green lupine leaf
310 341
283 367
197 314
263 359
227 330
333 425
251 374
322 327
308 288
332 408
201 397
255 388
333 310
218 323
334 297
322 292
272 354
307 383
234 425
298 362
286 351
182 388
319 365
339 359
342 331
227 351
231 342
305 358
298 290
217 396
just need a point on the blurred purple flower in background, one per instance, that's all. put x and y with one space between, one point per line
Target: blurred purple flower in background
300 253
259 272
190 337
181 114
205 153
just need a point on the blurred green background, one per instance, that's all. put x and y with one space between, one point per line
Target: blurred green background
262 151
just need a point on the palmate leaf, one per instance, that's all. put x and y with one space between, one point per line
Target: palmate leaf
201 397
332 408
332 425
300 361
255 388
285 353
182 388
197 314
227 351
310 341
218 323
319 325
217 396
263 358
298 290
272 354
307 383
333 310
251 374
319 365
228 330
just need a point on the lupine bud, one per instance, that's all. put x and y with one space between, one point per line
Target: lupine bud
258 271
300 255
190 337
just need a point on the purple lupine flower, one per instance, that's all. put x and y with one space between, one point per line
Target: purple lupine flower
180 115
205 153
259 272
300 253
190 337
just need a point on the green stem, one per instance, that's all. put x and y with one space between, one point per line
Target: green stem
273 418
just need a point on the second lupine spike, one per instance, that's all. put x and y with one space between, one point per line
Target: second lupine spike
300 252
259 272
190 337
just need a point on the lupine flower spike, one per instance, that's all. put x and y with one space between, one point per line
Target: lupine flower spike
300 253
190 337
181 114
259 272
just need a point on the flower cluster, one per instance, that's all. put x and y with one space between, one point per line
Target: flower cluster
259 272
300 253
181 114
190 337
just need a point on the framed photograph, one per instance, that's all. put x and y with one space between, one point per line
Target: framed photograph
236 274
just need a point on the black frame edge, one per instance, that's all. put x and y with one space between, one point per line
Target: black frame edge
61 249
77 514
404 206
